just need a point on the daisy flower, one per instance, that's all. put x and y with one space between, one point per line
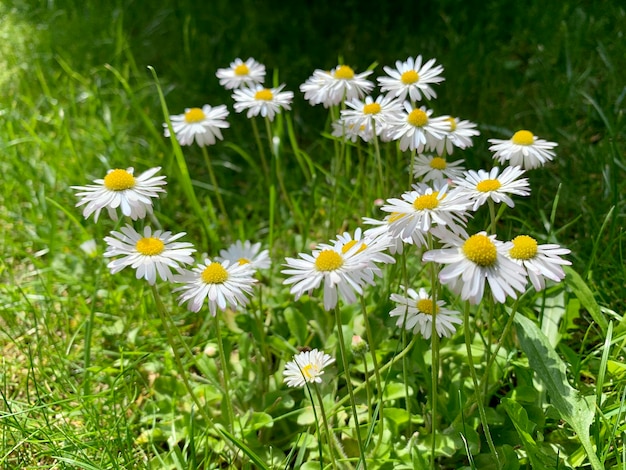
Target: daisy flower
151 254
264 101
471 261
373 248
200 124
120 188
381 229
344 272
411 78
423 207
240 73
523 149
307 366
540 261
415 312
344 84
223 284
479 186
246 253
430 168
316 88
351 131
370 114
460 135
416 130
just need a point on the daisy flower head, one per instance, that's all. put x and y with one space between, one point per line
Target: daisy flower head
121 189
246 253
266 102
373 248
200 124
523 149
317 87
473 260
417 130
345 84
344 272
540 261
222 284
151 254
240 74
460 135
380 229
415 312
479 186
371 114
411 78
351 132
423 207
307 366
430 168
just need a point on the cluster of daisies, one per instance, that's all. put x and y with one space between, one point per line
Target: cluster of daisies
432 215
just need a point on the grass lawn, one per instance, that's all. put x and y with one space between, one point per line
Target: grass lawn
104 370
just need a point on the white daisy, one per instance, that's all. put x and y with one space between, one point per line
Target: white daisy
240 73
246 253
222 284
266 102
460 135
411 78
346 272
416 130
307 366
415 312
151 254
344 84
425 206
372 248
523 149
540 261
120 188
371 114
469 262
351 132
381 229
479 186
202 124
430 168
317 87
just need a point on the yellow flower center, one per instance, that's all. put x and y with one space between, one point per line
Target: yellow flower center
309 371
409 77
214 273
523 138
488 185
241 70
372 108
426 201
328 260
243 261
438 163
350 244
452 123
480 250
150 246
194 115
344 72
426 306
417 118
524 247
264 94
119 180
395 216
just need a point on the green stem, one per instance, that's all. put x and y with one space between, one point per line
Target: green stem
492 216
220 202
477 389
434 377
225 374
505 332
379 163
329 437
346 370
257 138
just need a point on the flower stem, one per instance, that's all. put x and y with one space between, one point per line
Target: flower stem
220 202
225 374
477 389
434 377
257 138
329 437
346 370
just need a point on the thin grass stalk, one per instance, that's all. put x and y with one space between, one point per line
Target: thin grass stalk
220 202
505 333
257 138
379 163
434 366
329 435
477 388
346 370
225 375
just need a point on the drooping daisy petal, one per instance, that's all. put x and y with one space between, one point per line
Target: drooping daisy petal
429 168
246 253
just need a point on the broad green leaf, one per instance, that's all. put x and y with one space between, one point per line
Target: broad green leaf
584 294
578 411
525 429
297 324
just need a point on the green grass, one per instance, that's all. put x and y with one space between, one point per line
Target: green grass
88 377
